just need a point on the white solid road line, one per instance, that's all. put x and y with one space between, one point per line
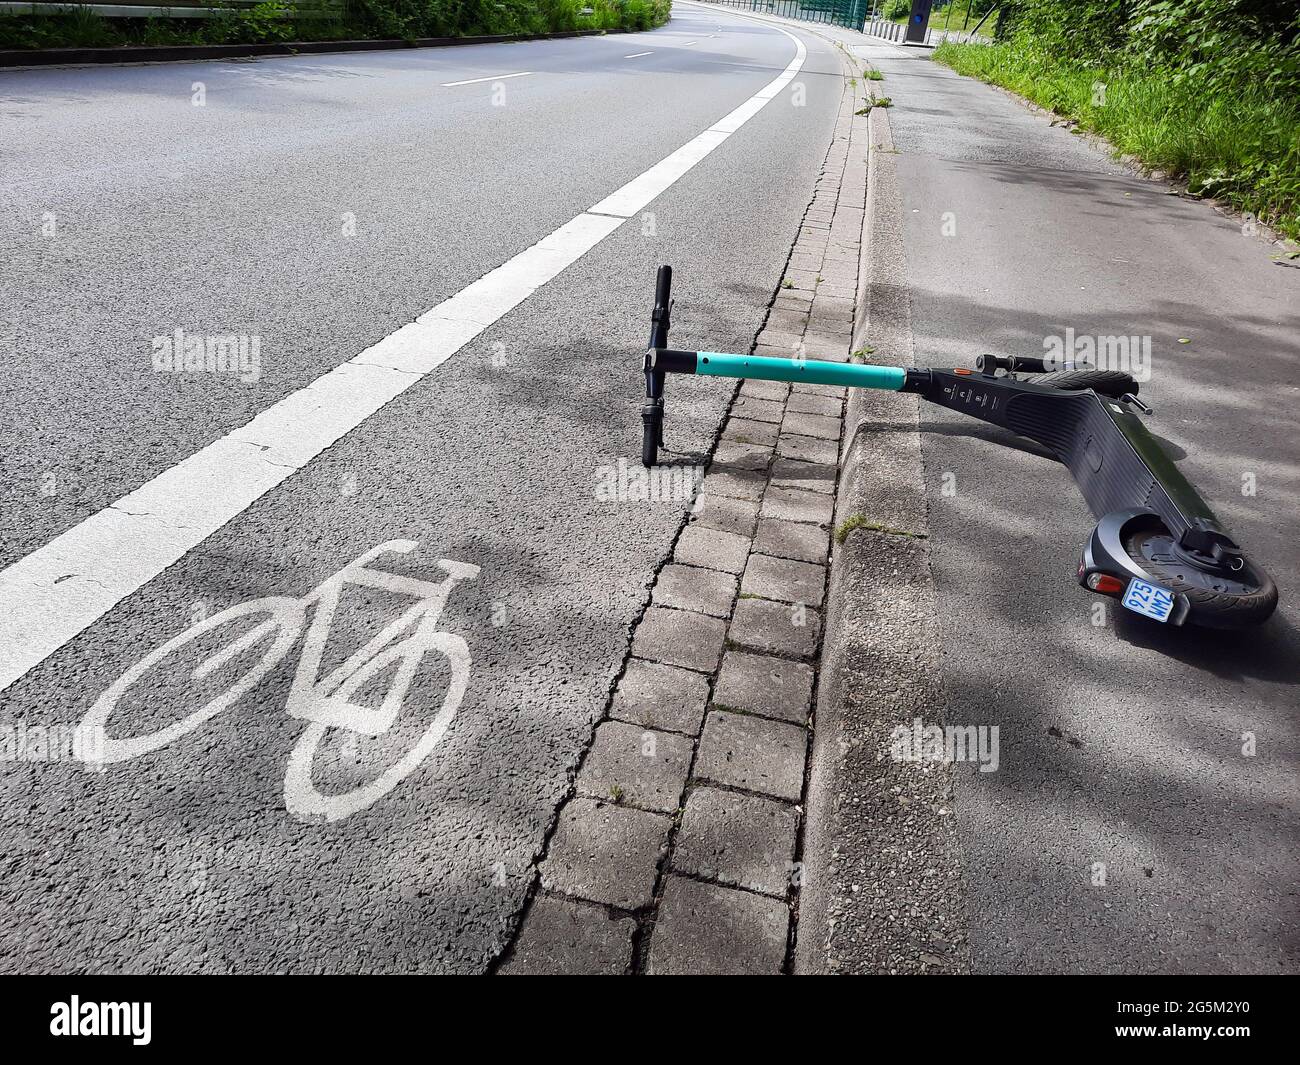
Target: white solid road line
637 55
475 81
51 595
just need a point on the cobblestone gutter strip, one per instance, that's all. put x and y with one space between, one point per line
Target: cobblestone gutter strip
883 887
679 848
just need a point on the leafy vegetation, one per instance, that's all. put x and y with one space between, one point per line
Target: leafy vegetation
1206 90
278 21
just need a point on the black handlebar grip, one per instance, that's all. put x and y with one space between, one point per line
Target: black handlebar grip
1017 364
659 322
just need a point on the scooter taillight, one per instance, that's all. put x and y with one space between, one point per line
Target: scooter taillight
1105 583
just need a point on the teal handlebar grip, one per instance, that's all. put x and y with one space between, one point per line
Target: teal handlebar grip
814 371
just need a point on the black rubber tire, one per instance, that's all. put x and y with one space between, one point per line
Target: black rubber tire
1244 599
1113 383
651 434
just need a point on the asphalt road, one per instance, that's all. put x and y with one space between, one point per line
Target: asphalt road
1121 743
319 204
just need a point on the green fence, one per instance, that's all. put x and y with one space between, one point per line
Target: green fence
849 13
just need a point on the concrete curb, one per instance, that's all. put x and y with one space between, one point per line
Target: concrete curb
178 53
884 891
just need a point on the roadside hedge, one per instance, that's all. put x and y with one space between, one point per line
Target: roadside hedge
277 20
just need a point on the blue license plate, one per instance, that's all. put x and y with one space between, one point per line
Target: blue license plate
1149 600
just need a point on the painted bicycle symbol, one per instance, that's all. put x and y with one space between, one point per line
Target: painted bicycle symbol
326 702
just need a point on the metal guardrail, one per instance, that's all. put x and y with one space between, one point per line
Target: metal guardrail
896 31
847 13
851 14
173 9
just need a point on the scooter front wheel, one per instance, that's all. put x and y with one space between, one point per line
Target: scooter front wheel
1220 599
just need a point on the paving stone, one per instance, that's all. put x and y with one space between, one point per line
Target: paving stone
771 390
811 425
564 938
792 322
784 579
831 346
839 253
810 476
712 930
733 455
802 278
793 300
729 515
750 432
791 539
753 753
784 351
778 628
829 315
680 638
737 839
606 853
758 410
638 766
712 549
654 695
761 684
840 272
842 290
838 391
791 504
775 338
705 591
808 448
735 484
805 403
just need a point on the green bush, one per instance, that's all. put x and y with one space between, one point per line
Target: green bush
1208 90
893 9
276 20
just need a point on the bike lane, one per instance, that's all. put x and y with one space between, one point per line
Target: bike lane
186 858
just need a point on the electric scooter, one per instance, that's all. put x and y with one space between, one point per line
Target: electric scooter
1157 547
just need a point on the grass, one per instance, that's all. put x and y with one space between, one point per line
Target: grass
1241 147
860 521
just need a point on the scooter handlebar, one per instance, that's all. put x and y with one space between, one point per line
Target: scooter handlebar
659 320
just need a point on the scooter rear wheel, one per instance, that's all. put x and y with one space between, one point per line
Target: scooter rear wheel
1219 600
1113 383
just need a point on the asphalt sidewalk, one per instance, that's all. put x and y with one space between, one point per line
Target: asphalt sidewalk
1138 819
